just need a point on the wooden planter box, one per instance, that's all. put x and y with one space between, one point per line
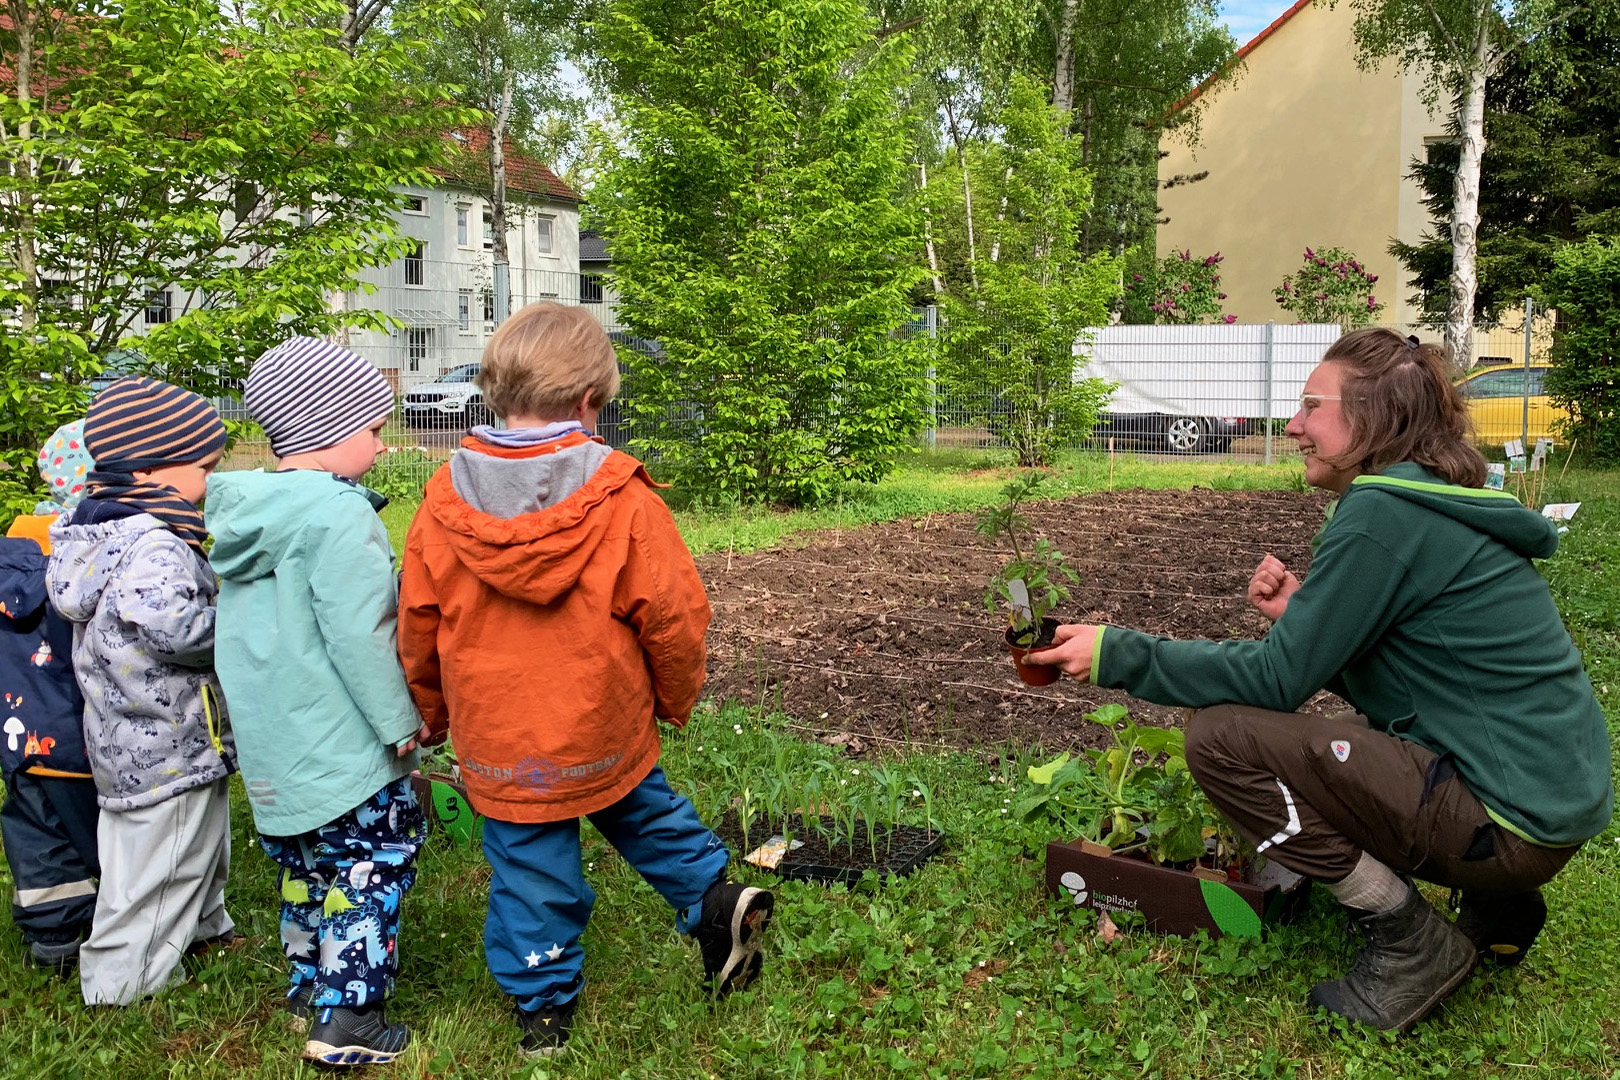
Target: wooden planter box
444 804
1173 901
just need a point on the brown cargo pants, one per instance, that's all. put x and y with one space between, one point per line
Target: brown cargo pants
1314 792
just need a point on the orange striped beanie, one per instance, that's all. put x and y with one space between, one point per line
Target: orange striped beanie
140 423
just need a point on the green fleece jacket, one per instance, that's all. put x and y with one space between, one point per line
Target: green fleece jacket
1423 610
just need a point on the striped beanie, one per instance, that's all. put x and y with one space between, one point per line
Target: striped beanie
65 464
309 394
140 423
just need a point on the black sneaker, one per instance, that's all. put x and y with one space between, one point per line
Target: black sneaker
1502 928
729 932
342 1036
300 1011
545 1030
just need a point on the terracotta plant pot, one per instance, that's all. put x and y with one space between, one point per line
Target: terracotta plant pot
1034 674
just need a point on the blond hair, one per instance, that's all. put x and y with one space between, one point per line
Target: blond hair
1401 406
544 359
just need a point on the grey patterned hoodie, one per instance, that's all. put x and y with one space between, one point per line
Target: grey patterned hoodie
142 605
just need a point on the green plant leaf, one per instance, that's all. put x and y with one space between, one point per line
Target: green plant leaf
1042 774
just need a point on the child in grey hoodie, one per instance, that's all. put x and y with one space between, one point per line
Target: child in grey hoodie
128 571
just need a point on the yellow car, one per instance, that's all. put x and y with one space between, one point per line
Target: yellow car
1496 397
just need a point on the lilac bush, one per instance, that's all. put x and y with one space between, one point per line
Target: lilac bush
1332 287
1178 290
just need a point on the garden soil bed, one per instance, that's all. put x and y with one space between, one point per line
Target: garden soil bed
879 635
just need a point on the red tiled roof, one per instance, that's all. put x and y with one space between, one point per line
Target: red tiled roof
522 173
1240 56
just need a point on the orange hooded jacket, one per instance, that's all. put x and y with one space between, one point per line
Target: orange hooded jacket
551 642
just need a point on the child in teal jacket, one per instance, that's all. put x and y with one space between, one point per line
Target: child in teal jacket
326 729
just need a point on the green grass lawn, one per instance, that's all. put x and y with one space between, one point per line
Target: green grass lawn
966 969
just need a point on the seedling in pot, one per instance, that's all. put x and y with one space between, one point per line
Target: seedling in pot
1029 585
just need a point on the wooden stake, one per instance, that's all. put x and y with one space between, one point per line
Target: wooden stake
1110 463
1567 459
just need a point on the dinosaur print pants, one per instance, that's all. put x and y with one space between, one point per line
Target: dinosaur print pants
341 887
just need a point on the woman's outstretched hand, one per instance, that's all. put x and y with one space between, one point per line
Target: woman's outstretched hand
1070 651
1271 586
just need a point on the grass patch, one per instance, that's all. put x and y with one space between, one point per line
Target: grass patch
966 968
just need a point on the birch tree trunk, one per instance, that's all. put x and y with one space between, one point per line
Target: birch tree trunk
1465 204
24 251
1063 75
967 190
928 230
497 169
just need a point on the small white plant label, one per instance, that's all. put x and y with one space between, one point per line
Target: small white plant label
1020 599
1560 511
1495 475
1513 448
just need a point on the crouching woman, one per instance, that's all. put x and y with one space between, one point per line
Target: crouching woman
1477 756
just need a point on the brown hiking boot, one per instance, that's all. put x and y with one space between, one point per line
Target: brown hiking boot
1412 960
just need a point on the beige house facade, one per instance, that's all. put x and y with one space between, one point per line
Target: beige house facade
1304 149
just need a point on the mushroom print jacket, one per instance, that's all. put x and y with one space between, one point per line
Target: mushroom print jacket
142 605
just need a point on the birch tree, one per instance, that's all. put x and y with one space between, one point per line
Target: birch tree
1459 45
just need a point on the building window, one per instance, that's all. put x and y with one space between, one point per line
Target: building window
463 229
418 342
590 288
414 264
489 310
158 307
547 225
464 310
416 204
489 230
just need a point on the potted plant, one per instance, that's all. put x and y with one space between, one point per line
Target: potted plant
1030 584
1146 839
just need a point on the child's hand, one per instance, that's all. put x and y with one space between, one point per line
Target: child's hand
405 747
426 737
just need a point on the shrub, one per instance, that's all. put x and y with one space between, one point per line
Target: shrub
1178 290
1332 287
1584 382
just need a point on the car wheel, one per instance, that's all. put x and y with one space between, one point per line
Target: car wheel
1185 435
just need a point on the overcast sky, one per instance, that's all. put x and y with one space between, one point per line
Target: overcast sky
1246 18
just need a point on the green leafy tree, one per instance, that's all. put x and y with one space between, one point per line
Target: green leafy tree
1332 287
1584 381
1013 323
1550 174
190 187
1177 290
762 233
1459 46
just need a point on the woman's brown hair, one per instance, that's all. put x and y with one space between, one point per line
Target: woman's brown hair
1401 406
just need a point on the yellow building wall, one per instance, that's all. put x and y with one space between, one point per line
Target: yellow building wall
1304 149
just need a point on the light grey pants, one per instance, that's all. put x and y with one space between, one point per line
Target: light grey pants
163 871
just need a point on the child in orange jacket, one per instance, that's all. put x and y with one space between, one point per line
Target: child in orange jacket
550 614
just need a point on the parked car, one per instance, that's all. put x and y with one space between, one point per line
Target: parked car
1174 434
1496 399
611 423
453 400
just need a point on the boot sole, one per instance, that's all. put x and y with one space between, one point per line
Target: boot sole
327 1054
749 920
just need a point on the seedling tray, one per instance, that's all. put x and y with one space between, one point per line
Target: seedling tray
893 851
1172 900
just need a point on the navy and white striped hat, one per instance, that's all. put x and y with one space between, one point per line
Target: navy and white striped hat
309 394
139 423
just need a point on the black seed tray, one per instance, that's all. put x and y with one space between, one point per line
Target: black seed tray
900 849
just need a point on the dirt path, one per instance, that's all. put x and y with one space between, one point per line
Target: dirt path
882 632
